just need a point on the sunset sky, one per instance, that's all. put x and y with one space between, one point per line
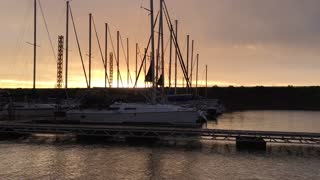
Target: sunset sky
244 42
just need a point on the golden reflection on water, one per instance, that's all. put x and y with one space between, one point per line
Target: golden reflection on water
56 157
205 160
292 121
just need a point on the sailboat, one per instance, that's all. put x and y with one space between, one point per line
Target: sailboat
33 111
23 110
153 113
139 114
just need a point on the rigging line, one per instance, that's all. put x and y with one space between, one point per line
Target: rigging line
167 44
102 58
47 29
203 77
22 30
183 67
114 52
125 56
141 58
80 53
124 53
113 49
144 58
142 66
140 54
194 63
19 49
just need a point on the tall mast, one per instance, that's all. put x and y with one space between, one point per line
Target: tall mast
206 81
175 61
90 41
162 48
191 73
145 65
136 60
35 45
152 53
170 56
67 43
197 74
188 42
128 66
106 56
118 64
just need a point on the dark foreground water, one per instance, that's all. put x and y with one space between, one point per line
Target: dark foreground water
52 157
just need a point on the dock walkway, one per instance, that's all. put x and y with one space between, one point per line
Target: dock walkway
161 133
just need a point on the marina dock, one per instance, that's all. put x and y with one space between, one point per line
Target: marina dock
239 136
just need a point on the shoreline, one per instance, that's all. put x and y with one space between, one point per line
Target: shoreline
234 98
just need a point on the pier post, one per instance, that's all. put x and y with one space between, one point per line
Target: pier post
11 136
251 143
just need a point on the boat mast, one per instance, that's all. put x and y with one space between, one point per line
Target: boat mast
162 79
206 95
176 61
118 68
35 45
128 67
197 73
106 56
188 42
145 65
152 53
170 57
67 43
136 60
191 73
90 41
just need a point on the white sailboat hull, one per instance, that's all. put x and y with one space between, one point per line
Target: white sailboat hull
189 118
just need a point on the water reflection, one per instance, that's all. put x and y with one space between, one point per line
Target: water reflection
65 157
292 121
46 157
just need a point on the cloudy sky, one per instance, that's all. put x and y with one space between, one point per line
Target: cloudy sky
243 42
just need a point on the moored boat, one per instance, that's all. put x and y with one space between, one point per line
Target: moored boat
140 114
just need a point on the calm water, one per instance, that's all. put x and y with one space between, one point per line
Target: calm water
296 121
64 158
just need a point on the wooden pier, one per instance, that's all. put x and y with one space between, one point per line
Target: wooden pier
161 133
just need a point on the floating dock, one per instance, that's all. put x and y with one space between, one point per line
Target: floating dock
7 128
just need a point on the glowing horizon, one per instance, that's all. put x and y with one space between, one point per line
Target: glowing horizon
259 43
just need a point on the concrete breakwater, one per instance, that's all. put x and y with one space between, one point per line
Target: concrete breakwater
234 98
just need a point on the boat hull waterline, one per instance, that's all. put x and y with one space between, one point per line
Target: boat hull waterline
138 114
